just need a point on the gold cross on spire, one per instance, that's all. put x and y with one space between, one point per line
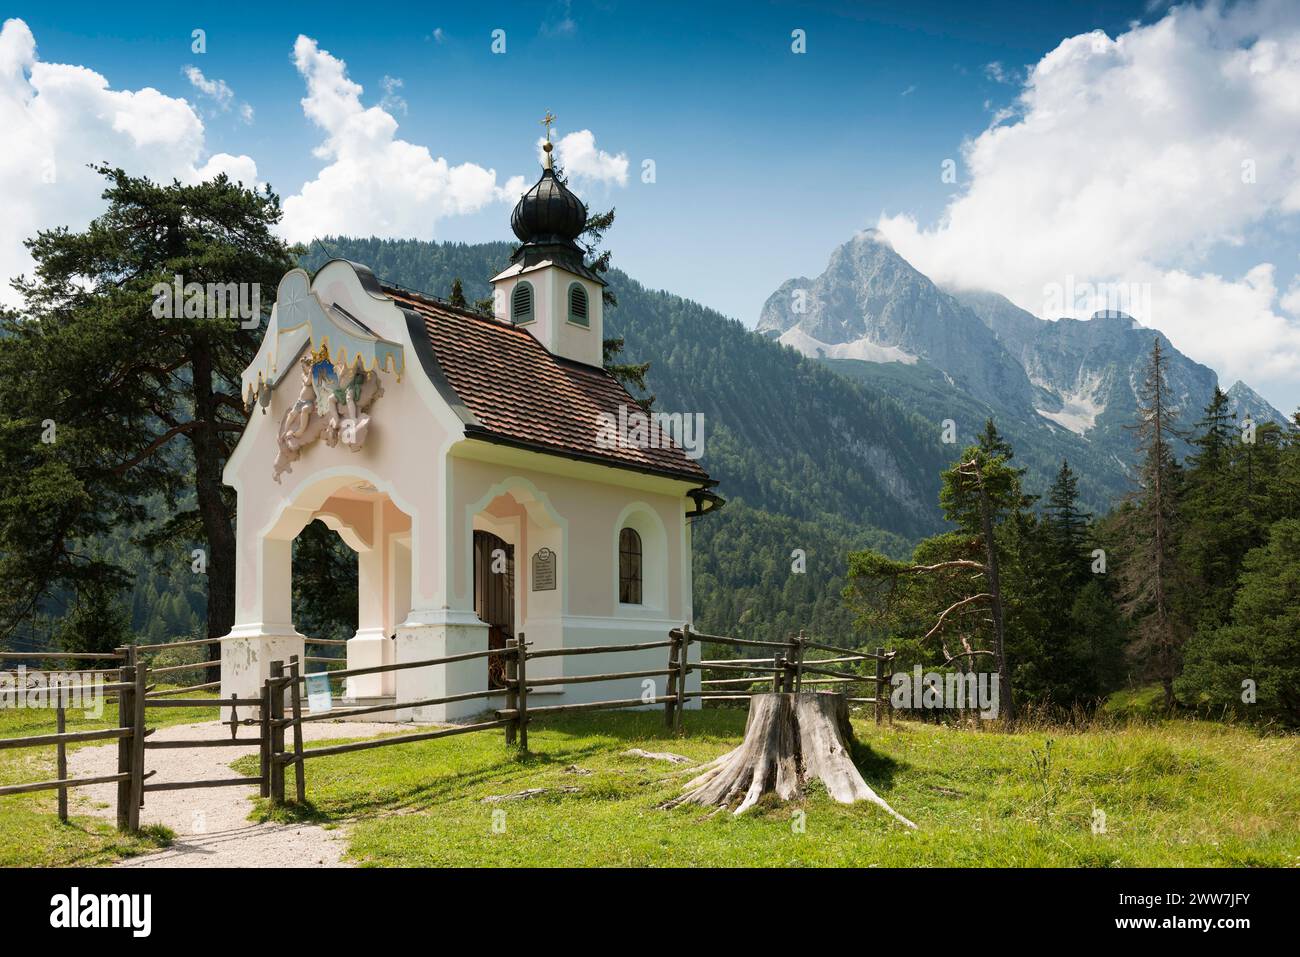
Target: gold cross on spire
547 120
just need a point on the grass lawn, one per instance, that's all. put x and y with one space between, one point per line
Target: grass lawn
1176 793
31 834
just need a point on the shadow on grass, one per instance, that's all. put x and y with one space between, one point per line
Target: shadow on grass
558 742
877 769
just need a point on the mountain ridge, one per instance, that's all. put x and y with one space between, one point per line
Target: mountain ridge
1073 390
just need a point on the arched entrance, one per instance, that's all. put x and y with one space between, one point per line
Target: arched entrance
494 596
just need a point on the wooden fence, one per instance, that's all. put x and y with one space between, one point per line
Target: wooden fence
785 667
124 734
513 719
788 666
785 670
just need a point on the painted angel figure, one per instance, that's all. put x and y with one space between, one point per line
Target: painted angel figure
349 421
298 421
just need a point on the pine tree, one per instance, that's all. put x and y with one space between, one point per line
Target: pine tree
1216 532
1214 435
1252 665
1066 526
143 404
952 587
1149 571
457 298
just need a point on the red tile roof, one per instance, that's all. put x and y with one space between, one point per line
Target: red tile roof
521 394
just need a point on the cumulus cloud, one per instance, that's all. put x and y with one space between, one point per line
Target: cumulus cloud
375 183
218 91
1138 160
59 117
584 163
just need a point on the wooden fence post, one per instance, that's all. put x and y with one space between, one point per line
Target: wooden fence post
798 661
512 689
60 725
880 685
889 683
522 658
137 739
125 711
265 782
295 701
684 658
674 669
276 684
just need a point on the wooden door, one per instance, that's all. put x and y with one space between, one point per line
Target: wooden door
494 596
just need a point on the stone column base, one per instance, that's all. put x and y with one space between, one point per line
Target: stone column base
418 640
246 656
367 650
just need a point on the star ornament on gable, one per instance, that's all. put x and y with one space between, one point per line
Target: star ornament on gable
294 301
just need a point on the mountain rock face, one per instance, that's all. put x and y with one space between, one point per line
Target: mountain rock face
1246 401
1057 389
870 304
1087 371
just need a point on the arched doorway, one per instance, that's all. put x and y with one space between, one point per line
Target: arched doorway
494 596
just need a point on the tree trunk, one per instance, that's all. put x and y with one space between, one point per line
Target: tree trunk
217 528
995 589
789 739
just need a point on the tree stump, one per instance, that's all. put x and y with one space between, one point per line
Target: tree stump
789 740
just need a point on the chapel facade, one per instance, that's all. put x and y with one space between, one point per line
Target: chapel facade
468 461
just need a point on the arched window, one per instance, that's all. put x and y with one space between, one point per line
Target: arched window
578 305
521 303
629 567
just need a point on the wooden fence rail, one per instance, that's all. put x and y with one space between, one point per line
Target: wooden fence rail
281 700
784 670
128 734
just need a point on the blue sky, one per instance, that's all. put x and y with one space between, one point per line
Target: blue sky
765 159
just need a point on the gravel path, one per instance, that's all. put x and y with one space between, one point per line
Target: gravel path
211 824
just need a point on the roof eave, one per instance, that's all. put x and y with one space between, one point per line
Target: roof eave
700 478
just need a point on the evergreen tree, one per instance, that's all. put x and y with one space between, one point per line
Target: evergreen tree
1066 527
457 298
1214 435
97 621
143 401
1217 525
952 589
1252 665
1149 572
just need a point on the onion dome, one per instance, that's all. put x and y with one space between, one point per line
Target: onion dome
549 212
548 221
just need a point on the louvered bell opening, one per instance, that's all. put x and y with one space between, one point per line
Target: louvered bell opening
578 305
521 304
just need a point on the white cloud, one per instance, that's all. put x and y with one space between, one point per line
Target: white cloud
996 72
1291 301
375 183
216 90
583 163
1126 160
57 118
392 101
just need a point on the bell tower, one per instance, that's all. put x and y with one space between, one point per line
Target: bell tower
548 289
